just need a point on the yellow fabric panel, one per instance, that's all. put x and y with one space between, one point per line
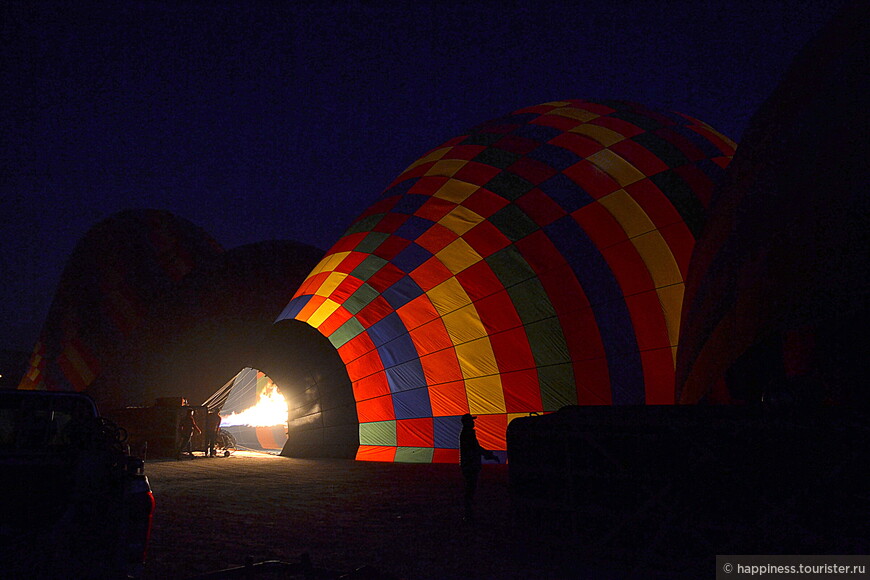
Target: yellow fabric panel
485 395
446 168
448 296
476 359
604 136
659 259
616 167
671 299
456 191
81 367
322 313
460 220
330 284
628 213
464 324
433 156
556 104
333 261
458 255
574 113
674 355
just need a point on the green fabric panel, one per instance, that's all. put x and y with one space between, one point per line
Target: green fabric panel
345 332
547 342
368 267
557 386
378 433
414 454
510 266
513 222
365 224
531 301
370 242
360 298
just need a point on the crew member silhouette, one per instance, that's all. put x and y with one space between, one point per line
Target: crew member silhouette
470 454
212 428
186 426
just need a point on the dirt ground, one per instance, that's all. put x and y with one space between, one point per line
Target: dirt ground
404 520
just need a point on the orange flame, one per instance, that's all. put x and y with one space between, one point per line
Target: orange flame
271 409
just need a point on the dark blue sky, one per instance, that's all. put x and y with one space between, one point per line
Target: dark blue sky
259 120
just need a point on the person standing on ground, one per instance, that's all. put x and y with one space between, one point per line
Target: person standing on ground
470 454
212 428
186 426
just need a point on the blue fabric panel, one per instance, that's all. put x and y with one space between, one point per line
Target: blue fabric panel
412 404
413 228
446 432
402 292
608 306
388 328
406 376
400 188
294 307
565 192
701 143
556 157
411 257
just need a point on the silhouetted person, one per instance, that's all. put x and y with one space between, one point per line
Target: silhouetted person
470 454
212 428
186 427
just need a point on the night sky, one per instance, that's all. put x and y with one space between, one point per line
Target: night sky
261 120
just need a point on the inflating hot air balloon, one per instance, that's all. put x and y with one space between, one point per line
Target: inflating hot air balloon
535 262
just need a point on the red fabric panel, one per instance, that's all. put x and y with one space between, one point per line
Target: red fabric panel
445 456
431 337
681 242
592 179
370 387
540 252
375 453
658 376
381 206
648 321
436 238
563 289
448 399
711 136
579 144
344 290
540 207
512 351
600 225
596 108
334 321
629 268
539 109
309 308
522 391
374 311
642 158
355 348
347 243
388 275
413 172
352 260
491 431
479 281
620 126
435 208
311 285
390 248
593 382
377 409
364 366
428 185
581 333
532 170
484 203
689 149
700 183
498 313
441 367
476 173
486 239
516 144
466 152
415 432
430 273
390 223
417 312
